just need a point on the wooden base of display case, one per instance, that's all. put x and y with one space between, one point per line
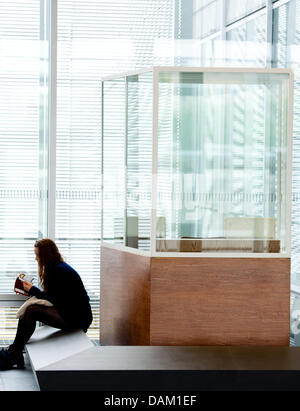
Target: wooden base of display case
193 301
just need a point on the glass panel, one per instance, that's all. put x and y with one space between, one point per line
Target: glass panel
139 160
222 162
96 39
24 31
206 18
246 44
286 42
280 36
237 9
113 161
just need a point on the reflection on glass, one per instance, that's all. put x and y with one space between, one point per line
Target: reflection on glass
127 160
139 161
221 167
222 162
246 44
206 16
113 160
236 9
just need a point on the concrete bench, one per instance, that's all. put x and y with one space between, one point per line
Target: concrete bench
69 361
49 345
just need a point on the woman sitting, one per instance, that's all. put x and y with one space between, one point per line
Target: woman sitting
63 287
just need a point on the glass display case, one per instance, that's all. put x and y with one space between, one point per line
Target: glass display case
198 160
196 207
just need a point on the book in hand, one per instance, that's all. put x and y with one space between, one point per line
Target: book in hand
19 286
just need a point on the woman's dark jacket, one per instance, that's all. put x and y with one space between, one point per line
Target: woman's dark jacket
65 290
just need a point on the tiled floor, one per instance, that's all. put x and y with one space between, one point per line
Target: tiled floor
18 380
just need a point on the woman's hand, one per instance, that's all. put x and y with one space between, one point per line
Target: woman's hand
27 286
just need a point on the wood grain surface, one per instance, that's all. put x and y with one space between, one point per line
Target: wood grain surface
124 298
193 301
220 301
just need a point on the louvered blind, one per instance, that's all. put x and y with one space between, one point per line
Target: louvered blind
95 38
20 196
8 324
287 19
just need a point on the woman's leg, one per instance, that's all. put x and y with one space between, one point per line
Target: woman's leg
27 324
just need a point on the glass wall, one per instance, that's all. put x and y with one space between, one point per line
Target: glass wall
139 161
99 43
253 35
24 35
286 38
92 39
97 39
113 163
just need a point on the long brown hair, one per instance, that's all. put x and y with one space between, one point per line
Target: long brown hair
49 256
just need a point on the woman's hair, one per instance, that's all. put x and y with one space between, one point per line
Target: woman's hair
49 256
